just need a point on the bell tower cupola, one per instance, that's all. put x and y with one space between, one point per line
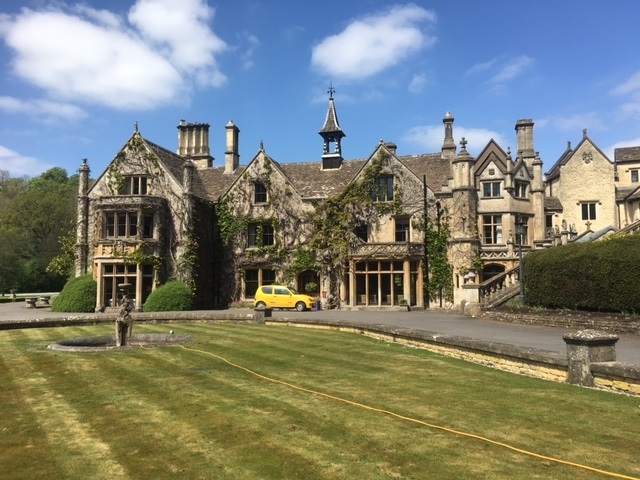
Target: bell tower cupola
332 134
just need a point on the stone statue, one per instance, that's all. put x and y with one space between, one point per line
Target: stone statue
124 323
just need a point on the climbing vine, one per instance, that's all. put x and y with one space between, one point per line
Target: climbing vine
440 269
336 217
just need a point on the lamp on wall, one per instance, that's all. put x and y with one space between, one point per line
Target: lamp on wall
520 235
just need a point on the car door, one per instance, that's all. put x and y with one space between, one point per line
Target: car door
284 299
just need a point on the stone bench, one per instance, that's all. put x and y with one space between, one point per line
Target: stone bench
30 302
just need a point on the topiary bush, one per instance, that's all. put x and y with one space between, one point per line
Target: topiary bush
78 296
170 297
600 276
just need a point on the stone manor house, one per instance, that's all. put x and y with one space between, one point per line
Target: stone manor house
155 215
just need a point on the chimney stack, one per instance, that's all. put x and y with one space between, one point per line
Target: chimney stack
231 156
193 143
524 131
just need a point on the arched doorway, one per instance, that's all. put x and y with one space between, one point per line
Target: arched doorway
492 270
307 278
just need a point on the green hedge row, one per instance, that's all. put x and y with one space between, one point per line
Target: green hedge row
598 276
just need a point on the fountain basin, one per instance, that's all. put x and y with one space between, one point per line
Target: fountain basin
108 342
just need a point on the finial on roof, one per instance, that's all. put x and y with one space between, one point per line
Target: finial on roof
84 161
509 153
584 133
463 143
135 125
568 144
331 91
261 146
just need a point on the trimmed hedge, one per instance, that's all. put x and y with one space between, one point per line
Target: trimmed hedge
598 276
77 296
170 297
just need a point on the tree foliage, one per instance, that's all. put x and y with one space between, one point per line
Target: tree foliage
34 214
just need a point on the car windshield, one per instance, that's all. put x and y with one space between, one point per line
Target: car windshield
293 290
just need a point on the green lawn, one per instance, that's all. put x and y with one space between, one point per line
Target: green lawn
183 413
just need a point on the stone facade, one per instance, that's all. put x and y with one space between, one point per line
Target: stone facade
155 215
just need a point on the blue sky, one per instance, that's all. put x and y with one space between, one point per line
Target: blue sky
77 76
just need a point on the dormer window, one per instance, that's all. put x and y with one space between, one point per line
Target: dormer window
491 189
521 189
259 193
382 189
135 185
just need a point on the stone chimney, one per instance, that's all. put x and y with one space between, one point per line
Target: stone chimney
193 143
449 145
524 131
231 155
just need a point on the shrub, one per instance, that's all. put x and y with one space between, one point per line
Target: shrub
78 295
172 296
592 276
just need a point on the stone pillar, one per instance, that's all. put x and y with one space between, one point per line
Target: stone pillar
584 348
261 313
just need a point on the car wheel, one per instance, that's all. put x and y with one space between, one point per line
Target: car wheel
261 304
301 307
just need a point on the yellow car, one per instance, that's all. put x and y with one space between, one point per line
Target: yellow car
279 296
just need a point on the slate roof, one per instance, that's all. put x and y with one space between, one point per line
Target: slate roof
173 162
331 124
564 158
627 193
626 154
590 236
312 182
431 165
552 204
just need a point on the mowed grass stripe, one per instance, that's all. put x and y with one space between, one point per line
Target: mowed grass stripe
498 406
76 449
194 417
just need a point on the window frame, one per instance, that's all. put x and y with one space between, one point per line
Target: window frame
492 189
260 234
136 185
120 224
588 210
402 228
521 189
382 189
635 175
492 233
260 193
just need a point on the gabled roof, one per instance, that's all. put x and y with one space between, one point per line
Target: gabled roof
492 152
590 236
568 155
172 163
564 158
625 194
312 182
627 154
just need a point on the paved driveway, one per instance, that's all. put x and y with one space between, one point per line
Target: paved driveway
544 338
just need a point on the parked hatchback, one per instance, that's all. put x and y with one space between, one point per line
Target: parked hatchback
279 296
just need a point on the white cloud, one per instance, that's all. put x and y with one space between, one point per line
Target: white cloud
84 55
247 55
373 43
578 122
502 70
431 137
418 83
512 69
630 86
46 110
18 165
630 89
